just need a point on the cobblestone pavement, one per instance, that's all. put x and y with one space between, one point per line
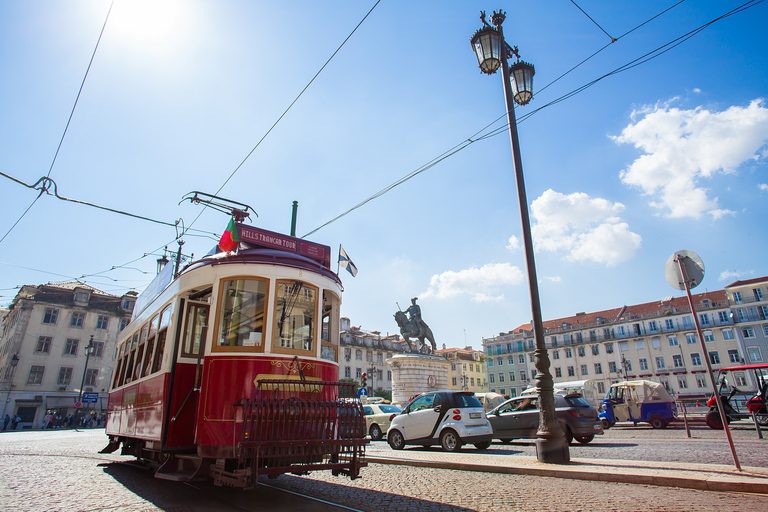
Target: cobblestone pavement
61 470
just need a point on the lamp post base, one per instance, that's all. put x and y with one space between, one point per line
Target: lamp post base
552 450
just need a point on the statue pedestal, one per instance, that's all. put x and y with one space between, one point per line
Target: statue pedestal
417 373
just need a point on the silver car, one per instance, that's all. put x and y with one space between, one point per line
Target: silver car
519 418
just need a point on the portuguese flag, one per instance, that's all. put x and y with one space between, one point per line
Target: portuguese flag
230 239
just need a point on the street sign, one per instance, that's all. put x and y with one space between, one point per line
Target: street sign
362 392
90 397
692 265
78 405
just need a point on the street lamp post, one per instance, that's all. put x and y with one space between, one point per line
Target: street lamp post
88 349
14 362
492 52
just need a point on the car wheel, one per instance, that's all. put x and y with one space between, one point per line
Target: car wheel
450 441
713 420
376 432
607 424
395 439
585 439
483 446
762 419
657 421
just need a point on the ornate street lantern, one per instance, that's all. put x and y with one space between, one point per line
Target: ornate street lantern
521 77
488 44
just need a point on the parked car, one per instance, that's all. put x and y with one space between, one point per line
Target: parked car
519 418
378 418
448 418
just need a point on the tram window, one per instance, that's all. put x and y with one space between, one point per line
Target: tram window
148 358
144 331
158 362
242 308
129 368
139 359
330 338
165 317
197 321
295 315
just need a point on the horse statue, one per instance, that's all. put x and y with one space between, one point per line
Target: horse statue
410 329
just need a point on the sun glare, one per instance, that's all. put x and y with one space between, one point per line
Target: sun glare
159 26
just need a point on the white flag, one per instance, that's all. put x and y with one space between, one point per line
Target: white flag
345 262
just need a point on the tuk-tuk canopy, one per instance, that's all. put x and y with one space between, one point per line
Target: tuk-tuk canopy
645 390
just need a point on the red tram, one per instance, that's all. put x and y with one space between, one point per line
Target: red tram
231 370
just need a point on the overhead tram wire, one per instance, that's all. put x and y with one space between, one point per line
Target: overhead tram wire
497 131
289 108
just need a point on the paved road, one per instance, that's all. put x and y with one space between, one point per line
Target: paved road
47 471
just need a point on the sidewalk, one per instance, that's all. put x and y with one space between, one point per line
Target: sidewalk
707 477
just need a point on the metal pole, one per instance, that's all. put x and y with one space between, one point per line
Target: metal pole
709 366
550 442
88 349
293 217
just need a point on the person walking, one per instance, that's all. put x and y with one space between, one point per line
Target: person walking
6 421
15 421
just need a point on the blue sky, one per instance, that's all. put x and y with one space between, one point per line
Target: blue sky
669 154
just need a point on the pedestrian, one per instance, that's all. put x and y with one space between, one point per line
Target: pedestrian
15 421
698 404
6 421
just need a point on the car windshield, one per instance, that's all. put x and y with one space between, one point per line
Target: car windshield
576 401
389 408
466 400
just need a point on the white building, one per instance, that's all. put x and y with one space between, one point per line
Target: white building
366 352
45 343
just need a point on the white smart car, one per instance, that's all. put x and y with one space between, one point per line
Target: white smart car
448 418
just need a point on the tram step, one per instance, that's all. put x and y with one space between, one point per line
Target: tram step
183 468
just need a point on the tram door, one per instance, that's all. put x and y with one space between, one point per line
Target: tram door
189 372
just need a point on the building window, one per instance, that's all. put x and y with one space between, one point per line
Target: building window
701 381
78 317
669 324
453 381
533 374
690 338
555 354
708 336
748 332
369 356
490 362
704 318
43 345
584 370
530 357
623 346
737 297
123 324
659 362
558 372
612 367
523 376
656 342
609 348
102 322
672 341
695 359
677 361
500 361
389 374
358 355
592 335
521 359
511 360
512 376
595 350
91 377
727 334
568 352
453 367
492 378
652 326
358 373
571 371
501 377
741 379
36 374
70 349
582 352
733 356
98 349
643 364
51 315
598 369
627 364
723 317
380 358
639 345
714 357
754 354
65 375
682 383
348 372
765 330
601 387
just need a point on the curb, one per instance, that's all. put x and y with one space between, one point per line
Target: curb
705 481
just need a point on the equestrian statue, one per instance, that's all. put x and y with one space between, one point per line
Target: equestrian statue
413 326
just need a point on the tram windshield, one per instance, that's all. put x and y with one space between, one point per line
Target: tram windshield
295 311
243 306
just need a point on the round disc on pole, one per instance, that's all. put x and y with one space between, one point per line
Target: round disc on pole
693 266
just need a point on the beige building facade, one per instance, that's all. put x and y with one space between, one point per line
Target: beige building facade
467 370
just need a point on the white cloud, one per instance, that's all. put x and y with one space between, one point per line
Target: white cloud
682 148
514 244
582 228
730 275
481 283
763 187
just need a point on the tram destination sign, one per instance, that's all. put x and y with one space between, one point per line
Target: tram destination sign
258 237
